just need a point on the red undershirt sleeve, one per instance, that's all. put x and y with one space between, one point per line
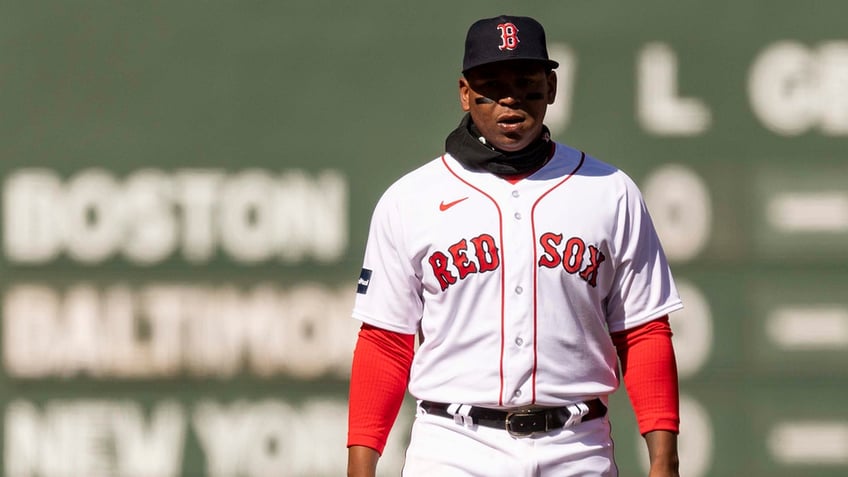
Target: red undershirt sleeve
650 375
379 376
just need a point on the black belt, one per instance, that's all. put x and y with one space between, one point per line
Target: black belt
520 423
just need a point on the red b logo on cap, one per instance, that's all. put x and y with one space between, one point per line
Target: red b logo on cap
509 36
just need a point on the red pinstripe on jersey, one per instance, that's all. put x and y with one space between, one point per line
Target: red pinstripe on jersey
536 260
503 267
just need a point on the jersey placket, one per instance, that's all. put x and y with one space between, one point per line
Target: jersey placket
518 353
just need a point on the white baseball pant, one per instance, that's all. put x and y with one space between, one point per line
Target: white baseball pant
442 447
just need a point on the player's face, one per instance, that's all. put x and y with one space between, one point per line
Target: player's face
507 101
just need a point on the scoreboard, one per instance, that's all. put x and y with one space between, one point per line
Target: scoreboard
185 191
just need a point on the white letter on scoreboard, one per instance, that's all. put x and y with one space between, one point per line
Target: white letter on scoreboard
29 226
658 108
780 91
681 207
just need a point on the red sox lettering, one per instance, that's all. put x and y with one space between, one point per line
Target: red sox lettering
485 250
462 259
572 256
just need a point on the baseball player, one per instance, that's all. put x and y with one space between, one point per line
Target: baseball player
528 270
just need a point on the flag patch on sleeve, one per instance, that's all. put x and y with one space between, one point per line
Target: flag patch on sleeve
364 280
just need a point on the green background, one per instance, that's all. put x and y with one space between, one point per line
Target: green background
369 89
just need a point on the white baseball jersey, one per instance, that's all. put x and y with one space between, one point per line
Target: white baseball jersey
514 288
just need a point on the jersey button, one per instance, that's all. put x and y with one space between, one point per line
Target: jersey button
515 193
519 341
518 216
519 290
517 393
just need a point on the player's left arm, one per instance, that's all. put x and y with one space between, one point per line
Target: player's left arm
662 452
650 376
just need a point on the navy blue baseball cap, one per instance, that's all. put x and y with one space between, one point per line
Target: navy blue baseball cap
505 37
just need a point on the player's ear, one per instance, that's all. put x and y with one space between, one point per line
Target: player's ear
464 94
552 86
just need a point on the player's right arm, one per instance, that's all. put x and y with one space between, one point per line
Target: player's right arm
388 302
379 376
362 461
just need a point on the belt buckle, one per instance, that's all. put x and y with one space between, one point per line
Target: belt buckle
510 427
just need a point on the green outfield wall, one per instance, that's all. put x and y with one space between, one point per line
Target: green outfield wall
187 185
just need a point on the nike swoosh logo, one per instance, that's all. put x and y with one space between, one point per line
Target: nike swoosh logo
443 207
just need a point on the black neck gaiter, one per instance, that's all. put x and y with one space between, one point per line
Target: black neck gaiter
464 145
